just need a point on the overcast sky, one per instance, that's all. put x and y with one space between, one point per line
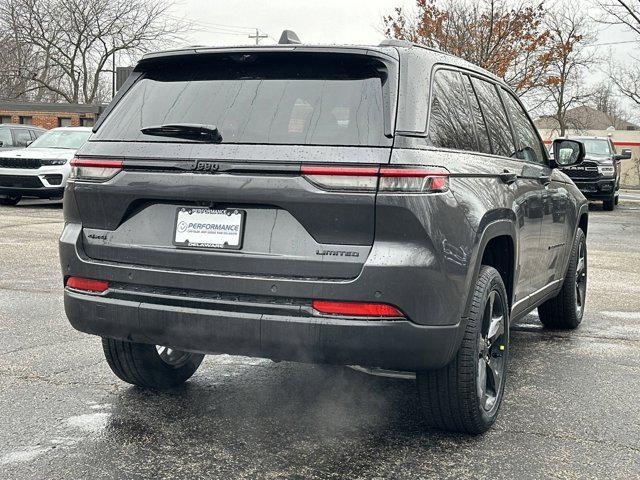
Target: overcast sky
229 22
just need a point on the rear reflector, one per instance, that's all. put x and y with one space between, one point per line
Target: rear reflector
356 309
95 169
88 285
386 179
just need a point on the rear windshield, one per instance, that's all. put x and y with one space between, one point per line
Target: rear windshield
258 98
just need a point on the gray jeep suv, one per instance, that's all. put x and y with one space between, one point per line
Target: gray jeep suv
389 207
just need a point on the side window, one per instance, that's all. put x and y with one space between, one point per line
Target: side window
496 118
484 145
530 148
5 137
21 137
450 123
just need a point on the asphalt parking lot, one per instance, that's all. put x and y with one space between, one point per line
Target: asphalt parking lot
571 408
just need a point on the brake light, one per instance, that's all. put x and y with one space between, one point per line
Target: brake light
356 309
342 178
95 169
387 179
87 284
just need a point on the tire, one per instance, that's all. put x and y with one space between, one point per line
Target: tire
458 397
565 311
148 366
617 199
609 204
10 200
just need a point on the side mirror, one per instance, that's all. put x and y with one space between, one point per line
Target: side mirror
567 152
1 144
625 155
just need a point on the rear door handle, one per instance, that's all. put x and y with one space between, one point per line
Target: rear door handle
508 177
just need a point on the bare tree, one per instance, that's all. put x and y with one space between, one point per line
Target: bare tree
505 37
68 45
571 33
605 98
626 77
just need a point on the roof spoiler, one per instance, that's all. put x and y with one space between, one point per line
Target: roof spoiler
289 37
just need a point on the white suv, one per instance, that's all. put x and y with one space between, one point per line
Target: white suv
40 170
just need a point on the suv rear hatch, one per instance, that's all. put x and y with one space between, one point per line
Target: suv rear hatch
231 133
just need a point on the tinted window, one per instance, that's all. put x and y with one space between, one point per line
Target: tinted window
318 100
450 123
496 118
5 137
529 147
21 137
484 145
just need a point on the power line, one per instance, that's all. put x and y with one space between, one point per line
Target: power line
218 26
614 43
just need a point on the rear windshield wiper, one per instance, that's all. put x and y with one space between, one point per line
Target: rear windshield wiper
193 131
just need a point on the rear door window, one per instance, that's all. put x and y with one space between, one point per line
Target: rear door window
450 122
21 137
496 118
258 99
484 144
529 146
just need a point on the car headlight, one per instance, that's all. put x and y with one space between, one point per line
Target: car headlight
606 170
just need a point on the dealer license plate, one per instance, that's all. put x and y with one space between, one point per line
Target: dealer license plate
208 228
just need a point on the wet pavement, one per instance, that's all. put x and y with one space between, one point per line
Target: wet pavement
571 408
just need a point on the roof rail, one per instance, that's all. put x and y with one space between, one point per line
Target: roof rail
289 37
394 42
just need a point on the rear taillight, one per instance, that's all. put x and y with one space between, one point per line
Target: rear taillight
342 178
95 169
87 284
414 179
356 309
386 179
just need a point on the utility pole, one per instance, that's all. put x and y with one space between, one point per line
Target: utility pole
258 37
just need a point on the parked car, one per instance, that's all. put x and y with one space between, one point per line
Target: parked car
13 136
598 177
41 169
389 207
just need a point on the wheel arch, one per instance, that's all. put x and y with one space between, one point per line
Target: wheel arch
497 246
583 219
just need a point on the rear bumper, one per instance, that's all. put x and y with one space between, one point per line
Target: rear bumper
391 344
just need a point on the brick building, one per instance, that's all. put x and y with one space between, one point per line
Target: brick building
49 115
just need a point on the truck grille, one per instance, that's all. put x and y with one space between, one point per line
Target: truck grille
586 170
20 181
29 163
